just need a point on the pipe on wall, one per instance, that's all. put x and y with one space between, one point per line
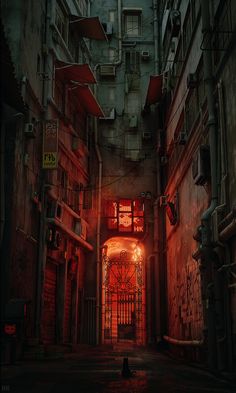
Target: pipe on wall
42 245
206 216
98 237
185 343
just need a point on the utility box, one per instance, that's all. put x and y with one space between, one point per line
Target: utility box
201 165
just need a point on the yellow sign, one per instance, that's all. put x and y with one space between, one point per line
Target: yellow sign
50 160
50 144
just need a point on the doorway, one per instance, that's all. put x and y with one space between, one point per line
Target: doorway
123 294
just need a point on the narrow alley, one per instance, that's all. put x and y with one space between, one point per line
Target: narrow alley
99 370
118 196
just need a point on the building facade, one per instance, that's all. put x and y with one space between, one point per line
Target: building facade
198 171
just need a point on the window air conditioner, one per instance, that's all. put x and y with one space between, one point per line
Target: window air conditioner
30 131
201 165
108 70
145 55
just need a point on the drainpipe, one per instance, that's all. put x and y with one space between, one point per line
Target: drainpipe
42 229
100 164
185 343
98 239
2 169
157 253
155 35
205 219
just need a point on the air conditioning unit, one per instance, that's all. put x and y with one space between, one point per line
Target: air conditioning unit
145 55
201 165
30 130
175 20
191 81
108 70
182 138
146 135
80 228
108 28
53 238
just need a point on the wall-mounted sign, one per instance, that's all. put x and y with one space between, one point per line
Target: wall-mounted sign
50 144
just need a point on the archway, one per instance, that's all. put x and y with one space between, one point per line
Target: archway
123 291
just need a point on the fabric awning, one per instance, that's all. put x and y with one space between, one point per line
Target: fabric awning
88 100
154 91
88 27
81 73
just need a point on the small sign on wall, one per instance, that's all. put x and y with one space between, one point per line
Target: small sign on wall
50 144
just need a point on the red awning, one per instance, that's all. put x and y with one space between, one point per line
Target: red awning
88 100
88 27
74 72
154 92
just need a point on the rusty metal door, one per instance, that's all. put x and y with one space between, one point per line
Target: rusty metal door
126 315
123 285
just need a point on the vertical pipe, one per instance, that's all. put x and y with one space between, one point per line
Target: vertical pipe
98 258
42 229
205 219
2 179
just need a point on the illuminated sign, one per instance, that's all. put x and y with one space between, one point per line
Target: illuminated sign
50 144
125 215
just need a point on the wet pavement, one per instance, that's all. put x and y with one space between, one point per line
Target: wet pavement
98 370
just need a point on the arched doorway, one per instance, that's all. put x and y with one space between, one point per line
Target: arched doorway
123 291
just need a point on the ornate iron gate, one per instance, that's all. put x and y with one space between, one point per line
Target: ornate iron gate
123 283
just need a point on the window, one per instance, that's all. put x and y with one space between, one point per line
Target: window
132 62
132 71
74 195
82 4
132 23
125 215
87 198
61 22
111 16
59 95
62 178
